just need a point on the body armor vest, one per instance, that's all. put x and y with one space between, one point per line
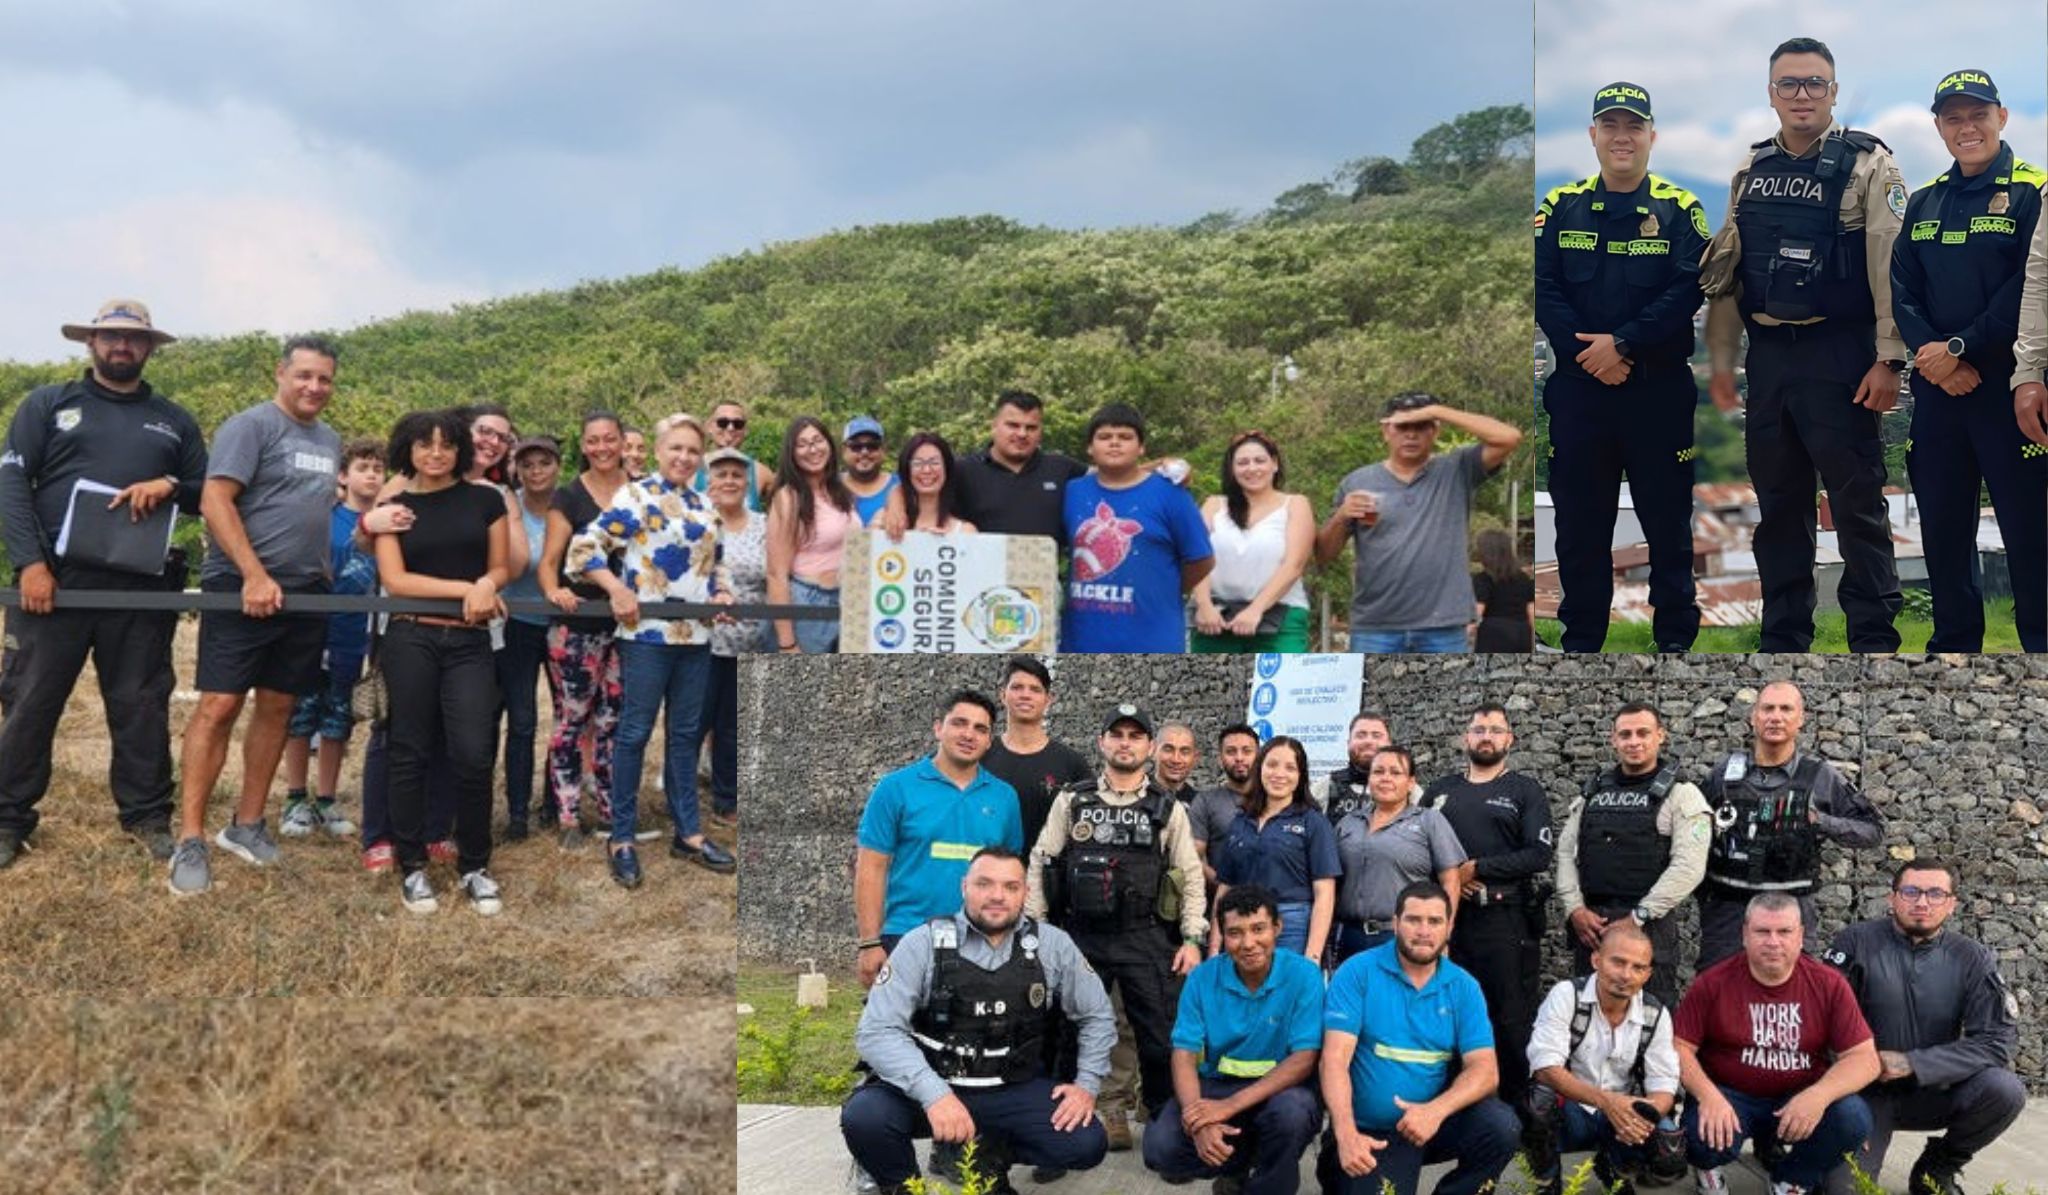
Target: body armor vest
1621 854
1345 795
1765 841
982 1028
1798 263
1113 866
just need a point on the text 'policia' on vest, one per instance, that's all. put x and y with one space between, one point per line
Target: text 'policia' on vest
1798 263
1621 854
983 1028
1113 874
1763 841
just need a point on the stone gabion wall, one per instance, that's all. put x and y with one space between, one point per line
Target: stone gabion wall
1942 745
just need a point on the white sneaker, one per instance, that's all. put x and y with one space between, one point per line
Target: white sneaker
299 820
482 891
330 818
1710 1180
417 893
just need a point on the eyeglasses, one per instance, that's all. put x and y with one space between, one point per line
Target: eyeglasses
726 423
926 466
490 433
1933 896
1812 85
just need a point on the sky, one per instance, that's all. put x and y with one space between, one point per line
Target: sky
1706 67
285 165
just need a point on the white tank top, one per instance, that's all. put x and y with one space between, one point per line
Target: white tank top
1247 559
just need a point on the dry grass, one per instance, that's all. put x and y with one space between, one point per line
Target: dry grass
87 913
323 1095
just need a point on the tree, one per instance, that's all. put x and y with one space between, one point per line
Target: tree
1473 142
1377 175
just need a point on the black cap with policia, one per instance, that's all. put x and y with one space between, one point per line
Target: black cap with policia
1625 96
1974 85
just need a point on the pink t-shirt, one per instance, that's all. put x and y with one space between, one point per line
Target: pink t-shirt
818 555
1769 1041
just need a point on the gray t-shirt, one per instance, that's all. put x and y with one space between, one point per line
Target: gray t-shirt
1415 846
1412 569
1210 813
289 473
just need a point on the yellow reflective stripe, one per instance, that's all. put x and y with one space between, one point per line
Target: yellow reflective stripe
1403 1054
1664 189
2025 173
1239 1068
956 852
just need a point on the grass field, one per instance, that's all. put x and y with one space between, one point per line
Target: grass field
1830 634
789 1055
87 912
367 1097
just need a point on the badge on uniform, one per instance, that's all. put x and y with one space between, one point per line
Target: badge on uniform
1083 831
1699 223
1038 995
1895 198
1648 227
68 418
882 976
1999 202
1738 767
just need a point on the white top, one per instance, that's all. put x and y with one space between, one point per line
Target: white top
1607 1052
1247 559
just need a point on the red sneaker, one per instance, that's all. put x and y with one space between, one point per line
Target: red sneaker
378 857
442 851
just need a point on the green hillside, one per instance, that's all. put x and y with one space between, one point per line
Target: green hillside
1386 276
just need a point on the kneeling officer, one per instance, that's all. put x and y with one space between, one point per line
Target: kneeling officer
953 1032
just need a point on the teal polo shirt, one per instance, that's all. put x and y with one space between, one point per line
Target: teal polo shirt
1407 1036
1241 1034
930 831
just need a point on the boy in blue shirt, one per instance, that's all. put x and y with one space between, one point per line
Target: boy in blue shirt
1245 1044
1138 544
327 713
1393 1020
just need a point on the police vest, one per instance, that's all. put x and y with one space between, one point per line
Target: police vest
1764 841
1113 868
982 1028
1345 795
1621 854
1798 263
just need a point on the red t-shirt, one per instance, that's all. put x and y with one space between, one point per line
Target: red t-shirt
1769 1041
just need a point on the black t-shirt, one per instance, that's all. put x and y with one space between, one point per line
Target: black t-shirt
1506 625
580 507
1037 777
1031 502
450 536
1503 824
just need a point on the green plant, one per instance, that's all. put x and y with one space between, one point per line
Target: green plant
775 1053
974 1181
113 1114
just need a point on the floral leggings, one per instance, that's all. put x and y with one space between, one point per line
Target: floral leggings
583 675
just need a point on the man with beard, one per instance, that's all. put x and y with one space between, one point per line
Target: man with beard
1014 486
1605 1072
107 427
1345 790
1772 1047
1502 819
1394 1019
1026 756
922 824
1634 846
1943 1018
1245 1043
952 1033
863 448
268 501
1213 809
1772 806
1116 867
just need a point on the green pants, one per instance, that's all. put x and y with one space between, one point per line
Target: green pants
1291 637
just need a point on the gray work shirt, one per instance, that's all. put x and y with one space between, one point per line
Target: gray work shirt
1210 813
1412 568
883 1037
289 472
1416 845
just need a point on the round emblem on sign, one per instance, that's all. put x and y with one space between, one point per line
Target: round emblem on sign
890 566
1083 831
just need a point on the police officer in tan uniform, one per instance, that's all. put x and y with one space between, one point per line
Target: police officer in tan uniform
2030 395
1802 263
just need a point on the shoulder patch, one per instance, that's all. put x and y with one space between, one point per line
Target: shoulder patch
1895 199
1699 221
882 976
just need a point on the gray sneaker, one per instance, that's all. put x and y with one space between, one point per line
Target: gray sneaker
482 891
191 873
417 893
252 842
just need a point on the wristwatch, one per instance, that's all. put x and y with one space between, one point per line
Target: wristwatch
1894 364
1620 347
1641 914
1955 346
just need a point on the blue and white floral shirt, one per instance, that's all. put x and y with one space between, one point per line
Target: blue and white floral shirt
668 545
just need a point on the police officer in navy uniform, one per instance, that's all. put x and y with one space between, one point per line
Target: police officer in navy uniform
1773 804
1617 283
1502 818
1944 1020
1633 847
1957 272
1116 867
953 1032
1804 263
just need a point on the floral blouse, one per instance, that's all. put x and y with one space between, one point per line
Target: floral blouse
669 548
745 554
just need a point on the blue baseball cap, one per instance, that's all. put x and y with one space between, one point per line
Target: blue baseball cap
1628 97
862 425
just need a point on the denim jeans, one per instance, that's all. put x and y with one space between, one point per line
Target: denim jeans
1294 919
814 635
519 664
1439 640
1806 1163
654 673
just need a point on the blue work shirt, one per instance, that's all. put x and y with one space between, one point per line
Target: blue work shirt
1407 1036
1288 854
1127 547
930 831
1241 1034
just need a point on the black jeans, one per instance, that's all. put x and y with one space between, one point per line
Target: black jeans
39 666
1495 943
526 647
722 718
443 687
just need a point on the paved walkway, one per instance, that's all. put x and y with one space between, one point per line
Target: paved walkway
797 1151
